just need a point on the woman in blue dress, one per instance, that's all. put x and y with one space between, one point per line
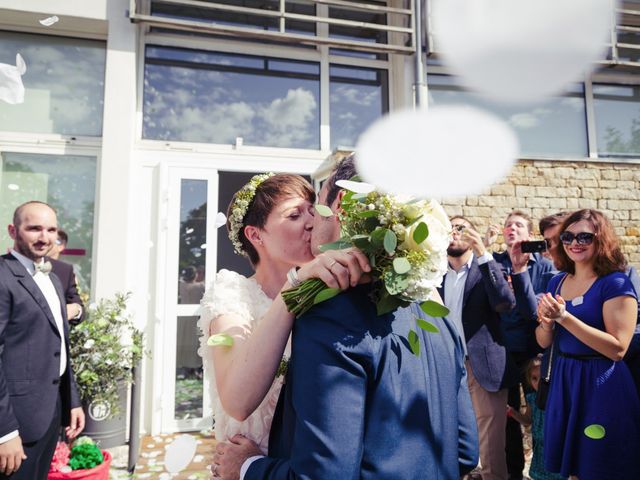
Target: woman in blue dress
592 419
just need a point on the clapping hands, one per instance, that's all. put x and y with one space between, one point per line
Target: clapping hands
550 310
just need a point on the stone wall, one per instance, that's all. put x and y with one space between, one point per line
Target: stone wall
540 188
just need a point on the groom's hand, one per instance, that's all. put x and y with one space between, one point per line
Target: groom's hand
229 457
11 456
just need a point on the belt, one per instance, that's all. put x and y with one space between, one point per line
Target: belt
587 356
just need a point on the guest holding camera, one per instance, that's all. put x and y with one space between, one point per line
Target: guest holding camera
592 422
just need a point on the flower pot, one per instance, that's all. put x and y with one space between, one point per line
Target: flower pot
99 472
106 432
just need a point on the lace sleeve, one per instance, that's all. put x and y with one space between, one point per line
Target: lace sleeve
226 295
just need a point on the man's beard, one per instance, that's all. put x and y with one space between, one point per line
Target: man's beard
456 252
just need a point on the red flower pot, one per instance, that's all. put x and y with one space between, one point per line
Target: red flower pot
100 472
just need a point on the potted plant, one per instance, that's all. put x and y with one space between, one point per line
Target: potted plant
104 348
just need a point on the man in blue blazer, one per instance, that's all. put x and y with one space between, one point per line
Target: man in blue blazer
37 389
357 403
475 291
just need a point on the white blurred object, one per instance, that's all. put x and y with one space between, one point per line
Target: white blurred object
11 87
444 151
519 51
221 219
179 453
357 187
47 22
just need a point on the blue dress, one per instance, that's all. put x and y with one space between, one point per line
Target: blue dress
594 392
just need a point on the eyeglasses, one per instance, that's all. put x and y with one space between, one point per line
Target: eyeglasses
582 238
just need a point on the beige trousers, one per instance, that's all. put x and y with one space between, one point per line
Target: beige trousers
491 417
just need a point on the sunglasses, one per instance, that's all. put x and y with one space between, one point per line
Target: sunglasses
582 238
459 227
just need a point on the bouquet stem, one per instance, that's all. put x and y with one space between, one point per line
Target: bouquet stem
301 298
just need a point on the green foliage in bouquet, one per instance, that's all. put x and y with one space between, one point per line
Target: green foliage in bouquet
85 455
104 348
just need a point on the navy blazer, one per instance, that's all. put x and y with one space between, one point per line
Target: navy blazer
30 355
486 294
357 404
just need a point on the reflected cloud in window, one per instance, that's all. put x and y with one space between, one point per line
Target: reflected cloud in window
64 85
359 96
551 129
209 97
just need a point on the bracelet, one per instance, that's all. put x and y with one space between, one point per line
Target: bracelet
292 277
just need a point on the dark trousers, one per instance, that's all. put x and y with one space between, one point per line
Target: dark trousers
514 449
39 453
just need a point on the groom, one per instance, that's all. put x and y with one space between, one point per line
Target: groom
357 403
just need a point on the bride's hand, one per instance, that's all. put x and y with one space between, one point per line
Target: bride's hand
337 268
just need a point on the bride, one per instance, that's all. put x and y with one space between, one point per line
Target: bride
269 222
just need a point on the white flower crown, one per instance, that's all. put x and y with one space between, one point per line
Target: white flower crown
241 203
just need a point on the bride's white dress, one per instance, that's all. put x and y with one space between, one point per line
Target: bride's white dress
231 293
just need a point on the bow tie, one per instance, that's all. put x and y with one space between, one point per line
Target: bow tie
44 267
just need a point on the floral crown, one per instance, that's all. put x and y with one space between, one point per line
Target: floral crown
239 208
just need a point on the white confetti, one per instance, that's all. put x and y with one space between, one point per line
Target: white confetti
11 87
47 22
221 219
179 453
357 187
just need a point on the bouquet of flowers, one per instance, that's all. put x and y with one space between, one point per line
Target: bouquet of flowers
406 241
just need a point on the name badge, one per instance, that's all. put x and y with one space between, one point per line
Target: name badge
577 301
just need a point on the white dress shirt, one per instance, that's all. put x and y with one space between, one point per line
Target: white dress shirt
454 283
49 291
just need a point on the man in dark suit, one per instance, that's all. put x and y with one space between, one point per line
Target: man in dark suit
357 402
37 388
475 291
64 271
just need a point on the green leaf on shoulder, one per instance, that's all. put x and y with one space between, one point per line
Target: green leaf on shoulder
421 233
434 309
326 294
337 245
401 265
323 210
220 340
414 343
387 304
427 326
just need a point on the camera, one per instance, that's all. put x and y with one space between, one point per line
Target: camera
532 247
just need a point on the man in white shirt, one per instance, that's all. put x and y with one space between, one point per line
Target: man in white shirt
475 291
37 389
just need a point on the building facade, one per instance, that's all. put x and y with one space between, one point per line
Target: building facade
142 117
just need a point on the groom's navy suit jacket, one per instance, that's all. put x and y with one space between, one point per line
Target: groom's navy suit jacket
357 404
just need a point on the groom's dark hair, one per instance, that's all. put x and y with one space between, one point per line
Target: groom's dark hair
344 170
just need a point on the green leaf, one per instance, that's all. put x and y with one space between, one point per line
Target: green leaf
359 196
595 431
414 343
368 213
401 265
378 236
421 233
326 294
220 340
361 241
390 242
387 304
394 283
323 210
434 309
337 245
427 326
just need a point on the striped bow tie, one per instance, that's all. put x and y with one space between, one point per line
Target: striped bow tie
44 267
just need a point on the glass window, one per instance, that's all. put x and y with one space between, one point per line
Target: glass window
67 183
360 34
189 387
197 96
617 112
554 128
193 241
359 96
64 85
